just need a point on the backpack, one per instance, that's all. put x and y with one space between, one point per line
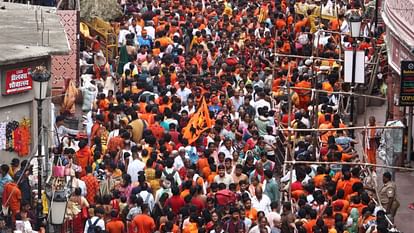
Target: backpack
225 197
170 177
93 228
174 51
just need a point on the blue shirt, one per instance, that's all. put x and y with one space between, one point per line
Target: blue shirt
145 41
4 180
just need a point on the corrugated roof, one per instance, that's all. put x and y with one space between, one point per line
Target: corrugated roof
21 33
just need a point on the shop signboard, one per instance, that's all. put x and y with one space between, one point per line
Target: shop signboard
407 84
17 81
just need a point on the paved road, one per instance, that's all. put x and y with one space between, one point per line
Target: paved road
405 180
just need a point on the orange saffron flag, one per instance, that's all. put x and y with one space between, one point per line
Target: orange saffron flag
199 122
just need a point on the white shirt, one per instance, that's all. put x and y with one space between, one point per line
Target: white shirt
112 134
237 102
150 31
272 216
82 186
260 104
179 163
226 179
287 177
126 67
170 171
263 204
190 111
134 167
63 131
100 223
183 94
109 85
122 37
228 153
136 30
148 199
160 192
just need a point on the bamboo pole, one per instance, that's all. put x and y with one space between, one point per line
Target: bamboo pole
349 163
336 92
306 57
289 147
348 128
315 105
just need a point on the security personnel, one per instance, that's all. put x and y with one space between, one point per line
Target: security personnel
388 196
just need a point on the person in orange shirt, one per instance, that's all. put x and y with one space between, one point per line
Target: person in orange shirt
169 226
345 183
95 131
251 212
356 203
156 129
92 185
192 226
372 145
83 156
143 223
300 24
329 218
319 179
326 125
147 115
304 95
355 175
115 225
334 24
115 143
12 197
340 195
338 209
313 214
280 22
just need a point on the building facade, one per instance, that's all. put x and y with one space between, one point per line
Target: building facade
399 21
29 36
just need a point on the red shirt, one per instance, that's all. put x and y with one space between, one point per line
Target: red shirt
157 130
176 203
197 202
174 136
297 186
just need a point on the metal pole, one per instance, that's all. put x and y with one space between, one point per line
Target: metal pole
410 133
39 164
376 17
351 118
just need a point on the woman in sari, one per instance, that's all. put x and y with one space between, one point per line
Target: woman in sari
83 205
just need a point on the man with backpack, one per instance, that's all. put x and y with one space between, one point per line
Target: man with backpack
96 223
169 173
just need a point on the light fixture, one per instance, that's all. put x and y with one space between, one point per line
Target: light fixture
58 208
355 23
40 76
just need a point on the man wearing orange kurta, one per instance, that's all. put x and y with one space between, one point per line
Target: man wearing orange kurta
12 197
84 156
304 95
371 142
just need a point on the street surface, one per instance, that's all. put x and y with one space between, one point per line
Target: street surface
404 219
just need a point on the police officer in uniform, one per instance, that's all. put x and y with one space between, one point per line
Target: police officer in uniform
388 196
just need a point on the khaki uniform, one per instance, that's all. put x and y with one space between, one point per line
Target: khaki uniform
388 198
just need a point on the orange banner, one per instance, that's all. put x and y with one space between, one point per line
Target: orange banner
199 122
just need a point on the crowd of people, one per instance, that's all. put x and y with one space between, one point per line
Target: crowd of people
186 132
